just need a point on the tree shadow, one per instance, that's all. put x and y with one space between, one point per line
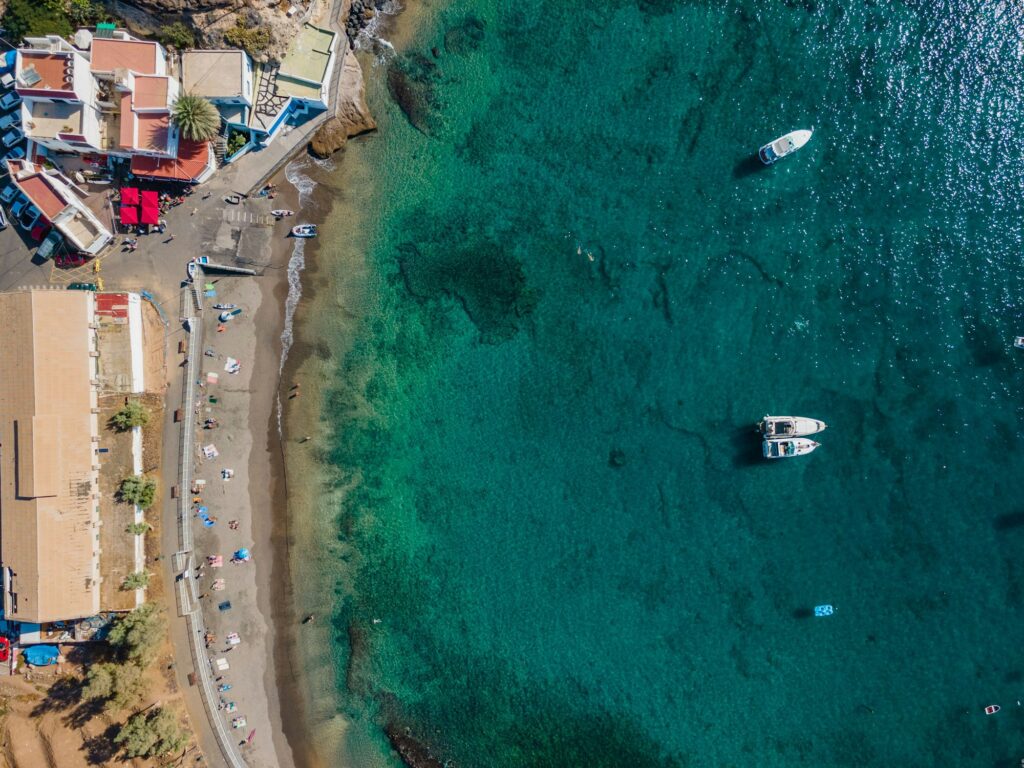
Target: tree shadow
100 750
84 712
65 693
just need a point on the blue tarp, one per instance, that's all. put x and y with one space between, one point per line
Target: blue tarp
8 61
41 655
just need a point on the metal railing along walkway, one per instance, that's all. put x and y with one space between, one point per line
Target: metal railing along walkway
188 602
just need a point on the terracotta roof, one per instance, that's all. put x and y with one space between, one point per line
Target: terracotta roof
153 130
42 195
50 68
137 55
150 92
127 133
48 488
191 161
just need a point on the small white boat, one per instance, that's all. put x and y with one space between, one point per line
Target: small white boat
787 448
304 230
224 306
789 426
1018 342
281 213
784 145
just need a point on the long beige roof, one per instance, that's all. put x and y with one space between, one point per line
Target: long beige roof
49 500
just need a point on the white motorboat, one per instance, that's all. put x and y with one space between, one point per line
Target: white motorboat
1018 342
304 230
281 213
784 145
787 448
789 426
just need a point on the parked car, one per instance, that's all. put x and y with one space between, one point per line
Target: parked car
8 193
3 219
5 649
18 153
18 206
8 120
82 287
49 245
28 218
12 137
10 99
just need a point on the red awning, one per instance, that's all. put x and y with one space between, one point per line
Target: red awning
129 214
150 208
130 195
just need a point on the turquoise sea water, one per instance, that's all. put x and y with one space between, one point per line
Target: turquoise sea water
557 510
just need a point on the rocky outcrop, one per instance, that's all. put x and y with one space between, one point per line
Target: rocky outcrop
351 118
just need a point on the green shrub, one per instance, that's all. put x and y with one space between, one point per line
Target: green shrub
137 580
133 414
176 35
138 490
136 636
31 18
236 141
151 734
139 529
252 40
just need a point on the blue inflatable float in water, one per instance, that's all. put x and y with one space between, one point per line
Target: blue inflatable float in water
824 610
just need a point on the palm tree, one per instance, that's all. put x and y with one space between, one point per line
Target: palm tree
196 118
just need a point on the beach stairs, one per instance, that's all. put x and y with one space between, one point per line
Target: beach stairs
220 148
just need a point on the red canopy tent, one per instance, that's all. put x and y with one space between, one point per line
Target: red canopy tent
129 214
150 208
130 195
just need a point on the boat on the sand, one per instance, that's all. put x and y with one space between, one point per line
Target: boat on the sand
281 213
789 426
787 448
304 230
784 145
224 306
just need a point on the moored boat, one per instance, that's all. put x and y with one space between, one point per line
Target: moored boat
784 145
304 230
991 709
824 610
1018 342
787 448
789 426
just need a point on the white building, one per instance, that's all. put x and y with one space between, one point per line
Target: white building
61 204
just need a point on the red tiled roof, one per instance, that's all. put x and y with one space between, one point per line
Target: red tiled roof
42 196
192 159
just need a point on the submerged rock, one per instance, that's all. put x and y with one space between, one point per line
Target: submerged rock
411 82
492 290
351 118
465 37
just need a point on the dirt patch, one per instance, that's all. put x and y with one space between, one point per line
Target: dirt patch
45 724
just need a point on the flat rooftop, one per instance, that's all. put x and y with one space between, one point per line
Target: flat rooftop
214 74
46 119
308 56
150 92
109 54
49 66
152 132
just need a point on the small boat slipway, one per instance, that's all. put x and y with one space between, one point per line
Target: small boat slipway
784 145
